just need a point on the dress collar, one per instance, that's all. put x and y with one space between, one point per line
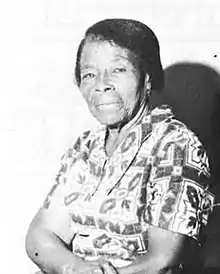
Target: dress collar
142 124
123 157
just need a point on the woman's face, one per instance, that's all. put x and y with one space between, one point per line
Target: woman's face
109 83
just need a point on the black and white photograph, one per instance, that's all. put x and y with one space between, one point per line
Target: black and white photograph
110 133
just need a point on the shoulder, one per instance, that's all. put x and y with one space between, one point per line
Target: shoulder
173 140
178 195
80 149
171 130
85 140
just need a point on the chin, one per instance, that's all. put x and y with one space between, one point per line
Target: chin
111 119
112 123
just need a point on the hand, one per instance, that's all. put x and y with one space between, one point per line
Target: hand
105 265
108 268
82 267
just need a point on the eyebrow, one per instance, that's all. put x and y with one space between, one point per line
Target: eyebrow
119 57
86 66
115 59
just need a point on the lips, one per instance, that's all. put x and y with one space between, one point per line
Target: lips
108 105
106 101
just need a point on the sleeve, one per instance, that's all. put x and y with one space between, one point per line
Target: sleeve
56 206
177 191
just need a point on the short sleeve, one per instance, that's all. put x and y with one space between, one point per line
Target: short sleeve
178 198
57 210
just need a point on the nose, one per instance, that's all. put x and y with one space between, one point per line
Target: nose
103 83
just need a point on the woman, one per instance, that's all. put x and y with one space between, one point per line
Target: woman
132 194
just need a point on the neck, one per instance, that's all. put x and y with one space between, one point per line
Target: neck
121 129
117 134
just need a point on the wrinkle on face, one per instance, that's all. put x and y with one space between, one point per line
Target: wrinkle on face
109 82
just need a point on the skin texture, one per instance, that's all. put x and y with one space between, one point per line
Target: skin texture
111 89
52 254
110 85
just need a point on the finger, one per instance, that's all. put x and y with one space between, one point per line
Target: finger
97 271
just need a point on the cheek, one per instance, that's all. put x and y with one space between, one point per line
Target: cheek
86 93
129 92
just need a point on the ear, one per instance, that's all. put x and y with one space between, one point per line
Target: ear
147 83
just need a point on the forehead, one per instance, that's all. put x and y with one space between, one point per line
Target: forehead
104 51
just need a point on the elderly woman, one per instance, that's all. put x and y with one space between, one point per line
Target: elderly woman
132 194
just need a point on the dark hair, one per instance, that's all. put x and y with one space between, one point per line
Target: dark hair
135 36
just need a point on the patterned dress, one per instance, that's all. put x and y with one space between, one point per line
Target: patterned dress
158 175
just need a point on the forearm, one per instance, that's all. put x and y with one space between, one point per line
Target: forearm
47 251
146 264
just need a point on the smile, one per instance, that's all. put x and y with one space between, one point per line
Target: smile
108 105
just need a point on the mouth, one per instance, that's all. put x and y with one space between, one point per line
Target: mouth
108 105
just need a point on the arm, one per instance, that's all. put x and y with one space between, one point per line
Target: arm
50 252
176 206
166 251
51 232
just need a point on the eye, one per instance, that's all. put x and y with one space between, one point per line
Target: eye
88 76
117 70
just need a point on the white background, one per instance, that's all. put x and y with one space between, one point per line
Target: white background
42 111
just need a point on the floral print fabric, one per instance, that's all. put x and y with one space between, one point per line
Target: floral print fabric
157 176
